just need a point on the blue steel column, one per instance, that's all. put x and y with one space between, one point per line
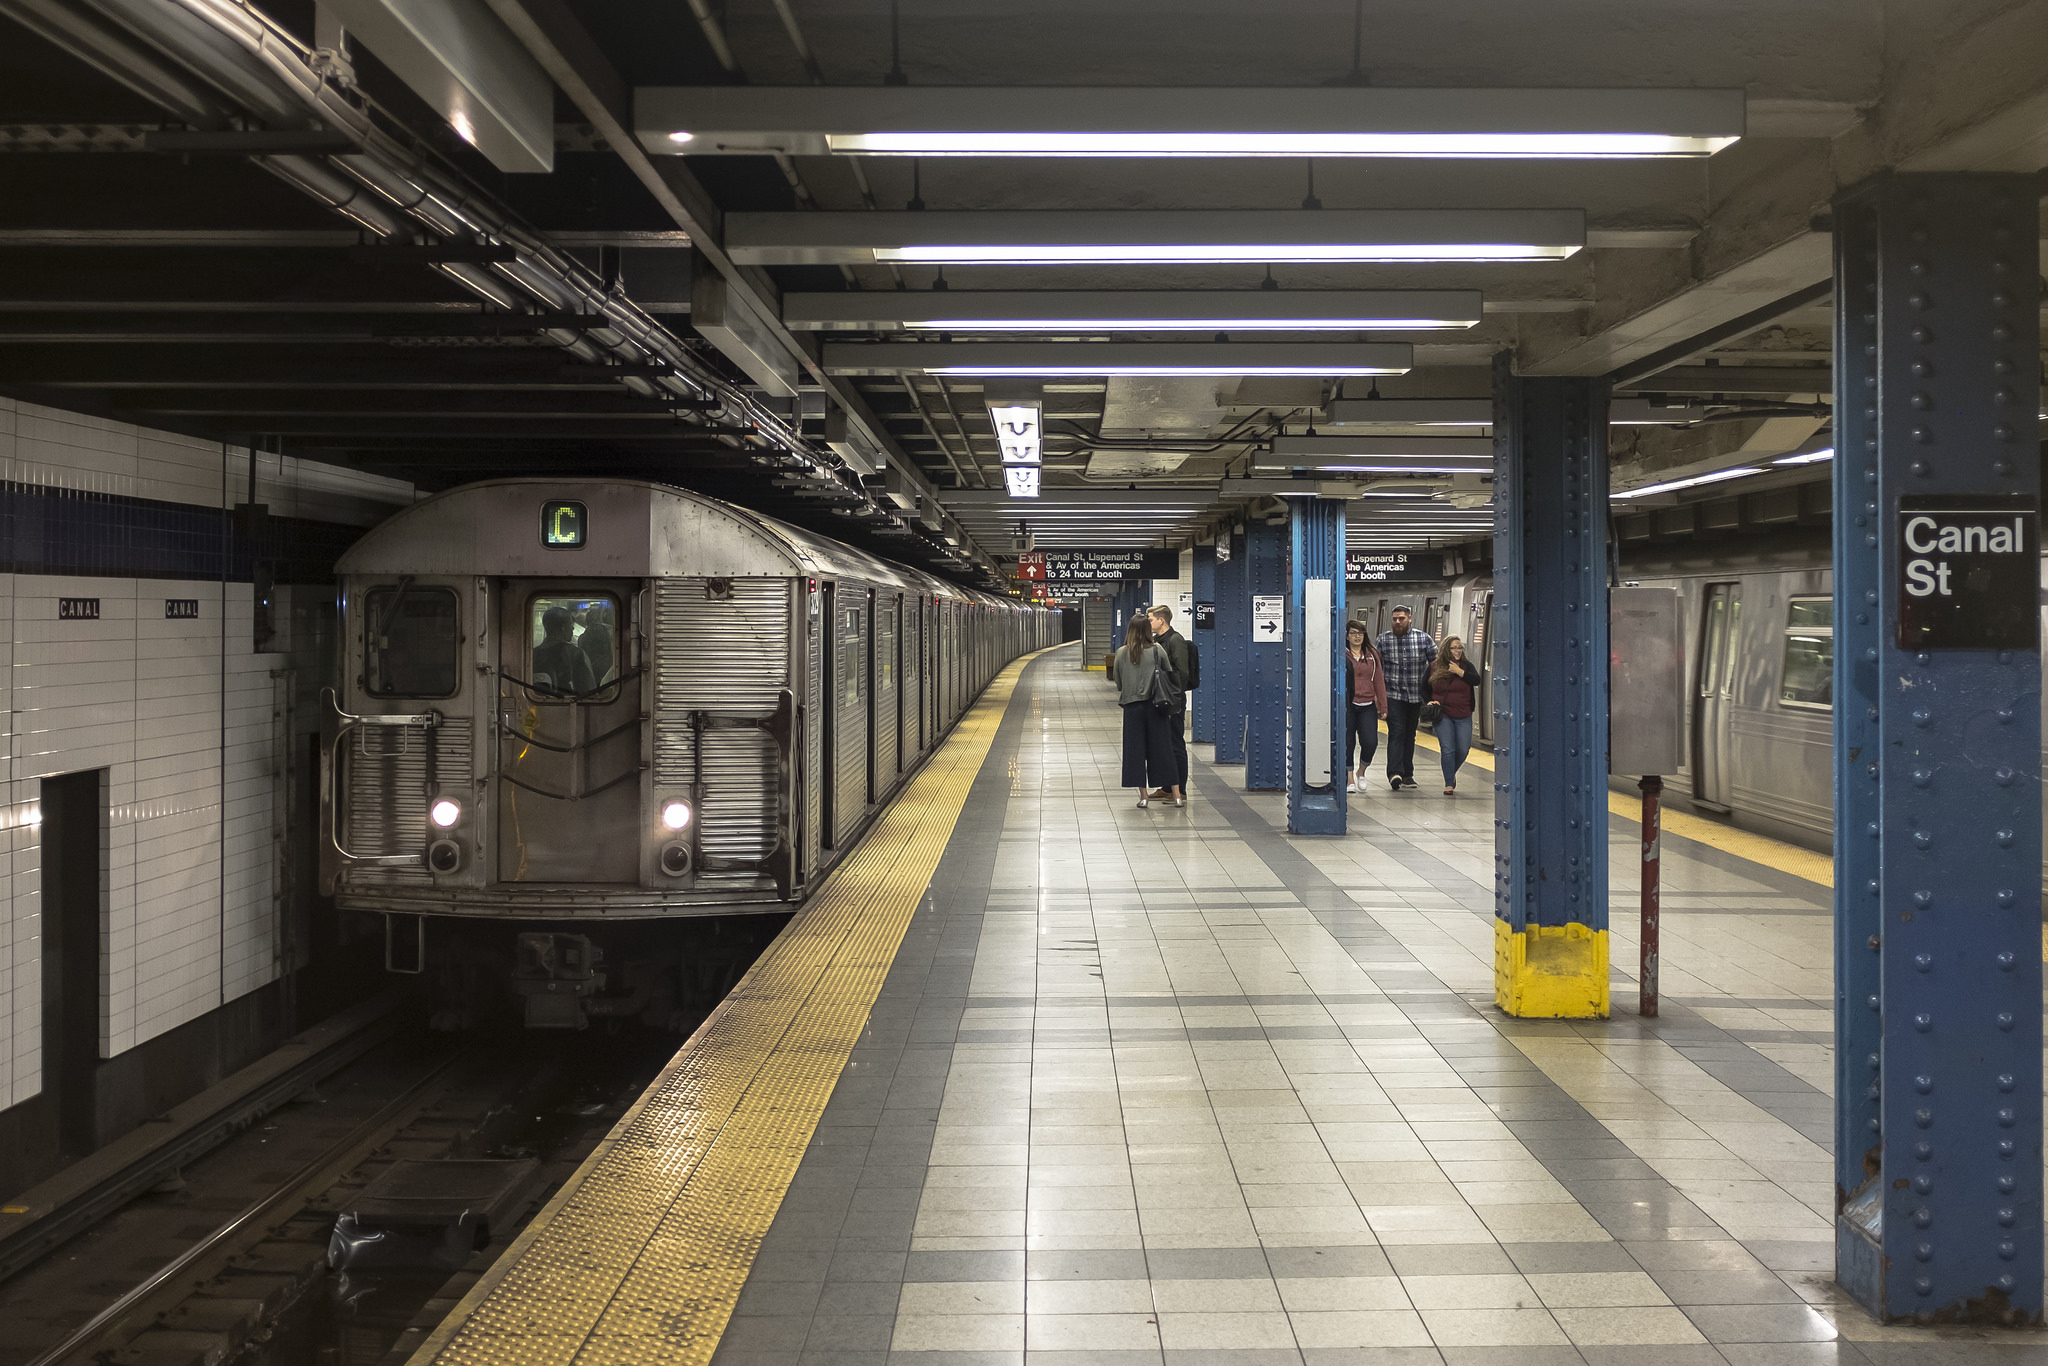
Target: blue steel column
1550 683
1315 551
1204 704
1232 676
1937 762
1265 760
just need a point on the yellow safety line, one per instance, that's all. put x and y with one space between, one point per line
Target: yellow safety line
641 1256
1746 844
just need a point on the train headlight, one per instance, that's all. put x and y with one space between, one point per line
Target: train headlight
675 814
444 856
444 812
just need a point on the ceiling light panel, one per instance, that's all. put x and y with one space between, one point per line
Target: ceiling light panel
1324 447
1154 236
1135 310
1674 485
1190 121
1478 413
1031 359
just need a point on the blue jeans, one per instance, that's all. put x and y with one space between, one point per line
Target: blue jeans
1454 742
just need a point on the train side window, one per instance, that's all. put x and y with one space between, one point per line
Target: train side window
409 641
1808 678
572 643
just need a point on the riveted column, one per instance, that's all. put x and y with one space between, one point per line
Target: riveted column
1315 700
1265 757
1550 693
1202 631
1937 676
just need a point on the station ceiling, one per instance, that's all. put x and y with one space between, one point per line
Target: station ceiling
315 230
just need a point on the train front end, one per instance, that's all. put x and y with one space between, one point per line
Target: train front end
548 749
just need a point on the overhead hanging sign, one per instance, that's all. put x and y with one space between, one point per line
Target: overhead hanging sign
1269 620
1096 566
1969 573
1364 567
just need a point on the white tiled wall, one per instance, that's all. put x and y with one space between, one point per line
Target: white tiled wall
183 716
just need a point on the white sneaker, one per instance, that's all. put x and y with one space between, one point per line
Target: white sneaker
1352 788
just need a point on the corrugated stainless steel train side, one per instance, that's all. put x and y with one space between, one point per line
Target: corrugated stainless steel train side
1759 655
572 709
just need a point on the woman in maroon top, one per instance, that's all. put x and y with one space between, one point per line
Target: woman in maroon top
1454 685
1365 700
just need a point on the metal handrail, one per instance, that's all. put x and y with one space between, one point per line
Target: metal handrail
344 725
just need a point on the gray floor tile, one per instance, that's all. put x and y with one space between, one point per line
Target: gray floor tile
1207 1264
1328 1261
963 1266
1115 1264
1450 1259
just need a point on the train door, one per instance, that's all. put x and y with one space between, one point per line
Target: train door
1714 696
898 626
1480 647
851 691
569 736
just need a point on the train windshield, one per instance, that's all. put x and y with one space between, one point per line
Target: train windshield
410 641
574 644
1808 679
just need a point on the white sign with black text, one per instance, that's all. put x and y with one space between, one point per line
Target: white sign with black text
1269 620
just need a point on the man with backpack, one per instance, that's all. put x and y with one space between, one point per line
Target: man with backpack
1187 667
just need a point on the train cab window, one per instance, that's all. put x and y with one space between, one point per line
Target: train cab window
573 644
1808 678
409 641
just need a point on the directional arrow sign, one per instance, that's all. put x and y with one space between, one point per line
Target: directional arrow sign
1268 620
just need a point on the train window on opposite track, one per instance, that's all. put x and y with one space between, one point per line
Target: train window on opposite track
1808 677
409 641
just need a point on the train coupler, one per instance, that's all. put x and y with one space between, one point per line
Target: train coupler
556 975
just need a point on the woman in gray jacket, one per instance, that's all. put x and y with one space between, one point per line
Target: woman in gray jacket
1148 742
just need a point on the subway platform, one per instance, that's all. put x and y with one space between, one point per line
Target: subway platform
1043 1079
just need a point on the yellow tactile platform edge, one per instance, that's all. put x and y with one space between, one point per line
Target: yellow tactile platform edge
1801 863
640 1257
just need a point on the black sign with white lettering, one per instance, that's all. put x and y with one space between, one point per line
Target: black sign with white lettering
1969 573
1361 567
1068 567
181 609
78 609
1205 616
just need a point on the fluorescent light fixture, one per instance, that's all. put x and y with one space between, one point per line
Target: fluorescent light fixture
1807 457
1673 485
1154 236
1040 359
1436 466
1321 447
1154 121
1134 310
680 137
1021 480
1478 412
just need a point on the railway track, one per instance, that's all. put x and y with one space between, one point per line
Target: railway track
230 1256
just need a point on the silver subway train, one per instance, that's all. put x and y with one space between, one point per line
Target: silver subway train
574 711
1759 665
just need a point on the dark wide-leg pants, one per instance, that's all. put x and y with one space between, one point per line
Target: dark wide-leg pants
1148 748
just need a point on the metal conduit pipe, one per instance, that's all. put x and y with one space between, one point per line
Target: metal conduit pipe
267 69
202 46
114 56
264 70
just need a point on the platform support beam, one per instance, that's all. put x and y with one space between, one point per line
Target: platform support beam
1937 748
1550 691
1233 649
1204 638
1265 759
1315 634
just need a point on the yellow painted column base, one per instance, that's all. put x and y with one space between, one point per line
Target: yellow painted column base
1553 972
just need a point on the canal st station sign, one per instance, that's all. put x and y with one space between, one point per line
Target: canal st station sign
1969 573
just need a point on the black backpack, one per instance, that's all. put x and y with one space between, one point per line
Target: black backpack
1194 679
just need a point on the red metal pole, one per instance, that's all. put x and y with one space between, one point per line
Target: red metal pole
1653 788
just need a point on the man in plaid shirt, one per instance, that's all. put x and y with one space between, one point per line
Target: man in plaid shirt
1405 654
